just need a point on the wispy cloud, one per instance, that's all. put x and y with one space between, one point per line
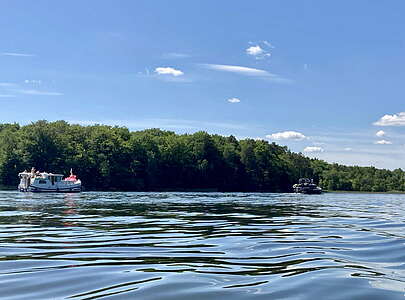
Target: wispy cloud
268 44
33 81
247 71
319 143
176 55
7 96
16 54
10 89
239 69
7 84
348 149
233 100
168 71
383 142
116 35
392 120
39 93
312 149
287 135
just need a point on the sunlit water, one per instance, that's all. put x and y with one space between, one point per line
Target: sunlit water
201 246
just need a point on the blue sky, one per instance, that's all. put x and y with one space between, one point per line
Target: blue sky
321 77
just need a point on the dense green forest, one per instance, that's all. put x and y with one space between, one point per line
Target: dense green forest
114 158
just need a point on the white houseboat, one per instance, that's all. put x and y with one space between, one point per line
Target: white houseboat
48 182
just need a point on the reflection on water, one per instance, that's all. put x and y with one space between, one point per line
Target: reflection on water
201 246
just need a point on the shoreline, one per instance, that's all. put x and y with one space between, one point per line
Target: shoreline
208 190
364 192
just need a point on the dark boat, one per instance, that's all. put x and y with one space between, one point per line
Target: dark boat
307 186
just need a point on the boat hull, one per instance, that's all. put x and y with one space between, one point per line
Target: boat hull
309 192
57 190
68 189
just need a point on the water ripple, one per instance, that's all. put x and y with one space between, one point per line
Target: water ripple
201 245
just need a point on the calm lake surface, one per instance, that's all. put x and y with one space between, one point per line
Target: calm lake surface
201 246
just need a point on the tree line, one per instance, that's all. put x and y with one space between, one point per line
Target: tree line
114 158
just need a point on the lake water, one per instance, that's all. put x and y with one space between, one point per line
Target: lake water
201 246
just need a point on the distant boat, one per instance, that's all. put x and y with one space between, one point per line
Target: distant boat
307 186
48 182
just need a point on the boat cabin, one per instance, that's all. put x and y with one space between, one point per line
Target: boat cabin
51 178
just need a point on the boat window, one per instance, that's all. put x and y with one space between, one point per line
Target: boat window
42 182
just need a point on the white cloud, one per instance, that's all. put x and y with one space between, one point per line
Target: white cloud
16 54
167 74
39 93
313 149
254 50
168 71
392 120
234 100
380 133
348 149
383 142
7 96
259 50
286 135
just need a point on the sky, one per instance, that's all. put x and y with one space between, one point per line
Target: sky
325 78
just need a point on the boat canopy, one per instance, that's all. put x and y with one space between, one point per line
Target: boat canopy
43 174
